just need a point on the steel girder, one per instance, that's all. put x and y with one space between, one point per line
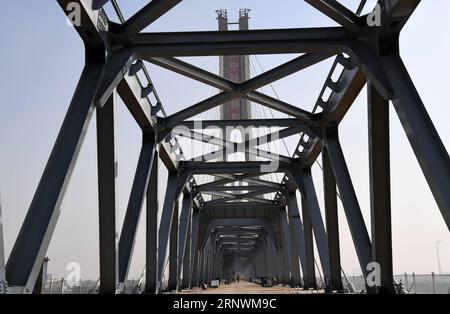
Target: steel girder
108 242
32 242
331 220
184 234
138 192
151 247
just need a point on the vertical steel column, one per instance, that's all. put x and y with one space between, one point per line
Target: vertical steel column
194 248
269 258
107 174
34 237
299 236
195 280
351 206
423 137
331 219
309 277
200 268
280 264
318 227
187 259
151 242
295 270
380 186
286 268
133 213
173 190
284 224
185 214
173 251
205 263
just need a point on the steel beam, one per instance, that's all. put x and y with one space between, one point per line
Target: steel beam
135 202
196 73
250 178
213 43
281 71
107 197
299 235
144 17
238 222
34 237
380 187
309 276
258 167
151 242
173 251
331 219
352 210
193 278
230 146
430 152
262 189
185 214
204 105
175 184
187 260
284 225
280 106
320 234
296 278
252 123
247 88
337 12
252 142
117 65
98 4
240 196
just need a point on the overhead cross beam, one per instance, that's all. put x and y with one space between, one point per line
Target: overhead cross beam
233 90
212 43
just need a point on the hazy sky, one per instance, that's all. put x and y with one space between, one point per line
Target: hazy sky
42 58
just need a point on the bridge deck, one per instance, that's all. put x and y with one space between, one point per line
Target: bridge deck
245 287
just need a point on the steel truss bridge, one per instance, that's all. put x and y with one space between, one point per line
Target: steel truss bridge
237 229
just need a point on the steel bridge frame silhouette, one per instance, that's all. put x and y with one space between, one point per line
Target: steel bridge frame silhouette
273 236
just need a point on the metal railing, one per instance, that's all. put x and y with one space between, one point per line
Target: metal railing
412 283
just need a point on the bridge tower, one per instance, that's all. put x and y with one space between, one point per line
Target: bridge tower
237 69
